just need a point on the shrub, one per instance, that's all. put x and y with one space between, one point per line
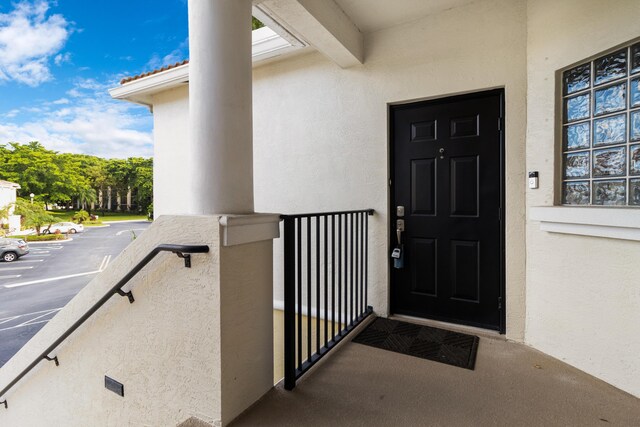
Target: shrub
80 216
42 238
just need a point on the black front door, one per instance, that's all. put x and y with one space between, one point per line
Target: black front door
447 175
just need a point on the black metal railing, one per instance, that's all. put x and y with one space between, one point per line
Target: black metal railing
325 281
183 251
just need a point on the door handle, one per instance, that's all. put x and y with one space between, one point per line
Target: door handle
399 230
441 151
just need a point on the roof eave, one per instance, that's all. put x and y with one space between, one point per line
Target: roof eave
266 46
140 90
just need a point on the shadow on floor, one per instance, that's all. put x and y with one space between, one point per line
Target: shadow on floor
512 385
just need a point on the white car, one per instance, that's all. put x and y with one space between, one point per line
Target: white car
64 227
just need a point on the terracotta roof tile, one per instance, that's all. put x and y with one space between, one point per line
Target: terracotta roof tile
156 71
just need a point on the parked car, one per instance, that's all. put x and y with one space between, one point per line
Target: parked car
64 227
12 249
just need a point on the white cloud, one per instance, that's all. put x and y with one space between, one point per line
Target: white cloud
90 123
28 40
74 93
91 84
12 113
61 101
61 58
178 54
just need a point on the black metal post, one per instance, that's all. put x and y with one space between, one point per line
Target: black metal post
318 310
289 304
299 286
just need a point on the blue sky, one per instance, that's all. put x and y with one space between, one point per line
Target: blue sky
59 58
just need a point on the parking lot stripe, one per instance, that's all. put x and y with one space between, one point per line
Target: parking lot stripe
8 319
52 279
22 326
30 260
104 263
13 276
31 321
3 268
29 314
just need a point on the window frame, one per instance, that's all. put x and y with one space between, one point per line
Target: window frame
560 125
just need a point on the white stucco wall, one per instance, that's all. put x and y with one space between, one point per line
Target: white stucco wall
321 138
7 196
583 293
171 135
196 342
321 141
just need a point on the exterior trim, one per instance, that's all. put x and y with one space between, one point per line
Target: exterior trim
241 229
613 223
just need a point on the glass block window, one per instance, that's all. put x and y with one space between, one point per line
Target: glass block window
601 130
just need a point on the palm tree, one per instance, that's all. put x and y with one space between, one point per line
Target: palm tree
86 196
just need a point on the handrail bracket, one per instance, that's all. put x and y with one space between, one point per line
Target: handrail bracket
183 251
52 359
187 258
126 294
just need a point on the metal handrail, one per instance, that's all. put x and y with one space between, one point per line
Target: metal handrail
183 251
369 212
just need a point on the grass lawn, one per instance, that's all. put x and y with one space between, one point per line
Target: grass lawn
108 216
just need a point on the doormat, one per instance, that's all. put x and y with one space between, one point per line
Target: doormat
452 348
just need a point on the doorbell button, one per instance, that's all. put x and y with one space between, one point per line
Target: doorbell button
533 180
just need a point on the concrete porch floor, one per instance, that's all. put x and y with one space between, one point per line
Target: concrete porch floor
512 385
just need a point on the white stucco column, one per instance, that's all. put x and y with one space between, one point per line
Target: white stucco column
220 112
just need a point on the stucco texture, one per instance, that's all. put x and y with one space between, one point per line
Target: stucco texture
166 347
321 132
171 136
583 294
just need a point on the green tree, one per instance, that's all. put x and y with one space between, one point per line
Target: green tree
121 176
4 216
256 23
86 196
142 181
64 178
52 177
34 215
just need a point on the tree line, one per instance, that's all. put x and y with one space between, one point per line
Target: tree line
78 180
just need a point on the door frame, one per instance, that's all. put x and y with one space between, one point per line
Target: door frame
391 170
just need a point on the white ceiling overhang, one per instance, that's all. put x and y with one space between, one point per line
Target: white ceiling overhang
335 28
322 24
266 45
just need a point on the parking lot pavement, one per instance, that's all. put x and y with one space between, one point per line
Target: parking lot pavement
28 264
27 319
35 287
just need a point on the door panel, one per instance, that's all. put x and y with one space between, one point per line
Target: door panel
465 275
423 187
424 279
447 173
464 185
